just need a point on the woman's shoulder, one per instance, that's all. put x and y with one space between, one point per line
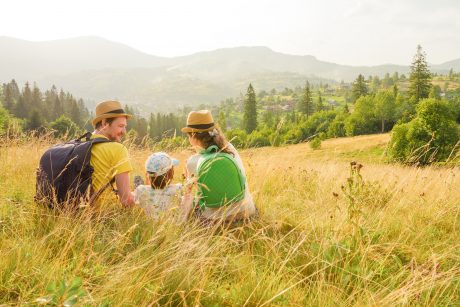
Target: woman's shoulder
194 157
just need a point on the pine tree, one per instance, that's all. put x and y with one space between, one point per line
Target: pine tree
8 101
142 128
37 98
306 102
222 121
320 105
250 110
14 89
21 110
359 87
420 77
75 114
152 127
57 108
36 121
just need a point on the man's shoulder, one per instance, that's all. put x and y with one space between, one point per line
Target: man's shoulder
110 146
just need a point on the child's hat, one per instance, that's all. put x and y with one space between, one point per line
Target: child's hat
160 163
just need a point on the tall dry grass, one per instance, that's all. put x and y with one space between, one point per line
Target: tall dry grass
382 235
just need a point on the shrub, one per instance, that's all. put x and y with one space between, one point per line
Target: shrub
237 137
293 135
64 126
431 136
315 143
257 139
4 119
337 126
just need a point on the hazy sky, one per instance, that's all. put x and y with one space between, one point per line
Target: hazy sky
356 32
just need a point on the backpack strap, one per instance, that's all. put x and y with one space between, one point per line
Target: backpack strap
210 150
86 136
96 195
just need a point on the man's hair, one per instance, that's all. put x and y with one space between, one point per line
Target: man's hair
160 182
108 120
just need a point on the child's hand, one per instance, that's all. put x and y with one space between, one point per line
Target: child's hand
138 181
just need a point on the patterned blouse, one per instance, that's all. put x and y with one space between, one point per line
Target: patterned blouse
156 201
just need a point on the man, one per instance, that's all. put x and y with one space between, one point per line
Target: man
110 159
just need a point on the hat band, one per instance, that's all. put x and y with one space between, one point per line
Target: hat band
201 126
117 111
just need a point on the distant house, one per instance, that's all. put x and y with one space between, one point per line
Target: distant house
345 86
286 107
333 103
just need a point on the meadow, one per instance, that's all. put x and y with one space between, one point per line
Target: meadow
329 233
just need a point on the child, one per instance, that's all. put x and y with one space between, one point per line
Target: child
158 195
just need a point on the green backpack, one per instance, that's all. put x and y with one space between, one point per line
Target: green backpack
220 180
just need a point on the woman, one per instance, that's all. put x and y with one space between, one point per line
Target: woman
205 135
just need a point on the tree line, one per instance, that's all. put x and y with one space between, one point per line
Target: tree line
33 109
366 106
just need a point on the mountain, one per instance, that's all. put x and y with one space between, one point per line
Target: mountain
96 69
25 60
454 64
231 62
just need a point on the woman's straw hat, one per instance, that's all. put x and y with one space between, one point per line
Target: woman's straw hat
109 109
199 121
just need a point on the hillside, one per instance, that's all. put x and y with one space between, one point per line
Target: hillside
32 61
381 235
95 69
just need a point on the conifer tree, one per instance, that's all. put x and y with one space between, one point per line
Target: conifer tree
420 77
36 121
306 102
222 121
21 110
359 88
152 126
250 110
8 99
36 98
320 105
395 90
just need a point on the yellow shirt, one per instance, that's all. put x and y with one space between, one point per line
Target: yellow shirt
108 160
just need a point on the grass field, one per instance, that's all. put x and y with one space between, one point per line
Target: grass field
328 234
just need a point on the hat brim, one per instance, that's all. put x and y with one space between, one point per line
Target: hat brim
104 116
189 130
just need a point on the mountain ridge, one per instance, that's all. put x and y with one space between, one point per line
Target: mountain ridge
95 68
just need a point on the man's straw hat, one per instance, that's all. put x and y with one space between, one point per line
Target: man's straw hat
109 109
199 121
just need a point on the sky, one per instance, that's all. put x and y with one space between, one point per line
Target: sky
352 32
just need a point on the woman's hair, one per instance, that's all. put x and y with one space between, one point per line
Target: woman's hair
160 182
210 138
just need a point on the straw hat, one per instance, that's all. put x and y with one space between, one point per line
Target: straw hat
199 121
109 109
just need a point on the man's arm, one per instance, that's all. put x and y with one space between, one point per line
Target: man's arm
124 192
